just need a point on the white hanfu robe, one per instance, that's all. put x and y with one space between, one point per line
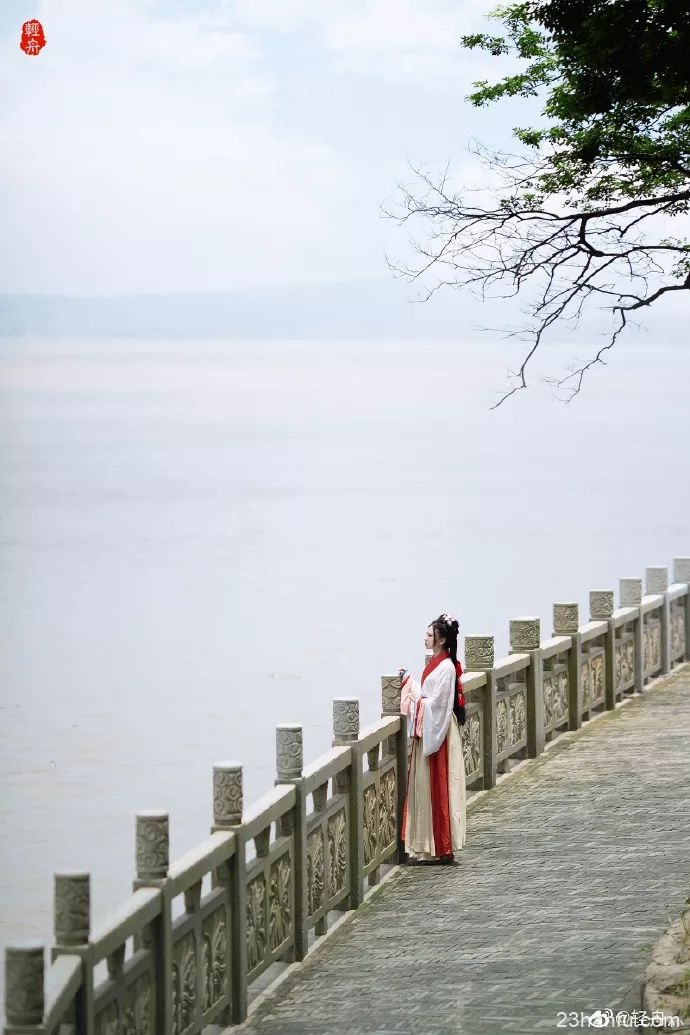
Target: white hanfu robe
435 820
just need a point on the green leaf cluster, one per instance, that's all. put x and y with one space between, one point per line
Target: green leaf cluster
614 76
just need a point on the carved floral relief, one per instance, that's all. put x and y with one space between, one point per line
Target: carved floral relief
214 957
472 744
387 810
280 902
371 824
517 718
597 678
316 871
256 922
337 853
184 983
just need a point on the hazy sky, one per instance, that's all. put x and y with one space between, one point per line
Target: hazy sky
177 145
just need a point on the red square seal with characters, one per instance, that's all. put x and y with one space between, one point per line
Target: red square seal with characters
33 38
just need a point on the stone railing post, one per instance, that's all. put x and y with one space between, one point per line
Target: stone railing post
631 596
153 861
525 639
289 766
346 732
566 622
681 573
24 989
656 579
390 706
72 930
228 802
479 657
601 610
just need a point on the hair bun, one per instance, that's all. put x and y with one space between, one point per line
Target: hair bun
451 622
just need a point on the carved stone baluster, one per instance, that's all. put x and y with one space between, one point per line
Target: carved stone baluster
72 930
601 610
657 582
345 730
681 573
289 768
153 845
153 860
566 622
72 909
227 795
391 686
630 592
346 733
289 752
525 639
373 762
479 653
320 799
480 657
390 694
631 596
24 987
228 800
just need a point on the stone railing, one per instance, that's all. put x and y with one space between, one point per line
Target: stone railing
182 952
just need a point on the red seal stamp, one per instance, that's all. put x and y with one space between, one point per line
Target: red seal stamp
33 38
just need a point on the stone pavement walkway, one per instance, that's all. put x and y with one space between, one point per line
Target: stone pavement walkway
572 868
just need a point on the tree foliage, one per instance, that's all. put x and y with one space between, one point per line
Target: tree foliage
582 215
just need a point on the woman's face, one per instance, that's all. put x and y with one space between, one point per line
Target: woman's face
430 638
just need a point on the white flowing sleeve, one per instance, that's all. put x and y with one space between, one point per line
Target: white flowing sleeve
409 699
439 693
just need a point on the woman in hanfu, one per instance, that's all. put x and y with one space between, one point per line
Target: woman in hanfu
434 816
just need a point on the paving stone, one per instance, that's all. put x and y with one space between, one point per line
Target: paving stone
572 869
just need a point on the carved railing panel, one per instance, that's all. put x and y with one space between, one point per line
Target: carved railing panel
511 718
596 662
215 958
280 903
678 630
337 868
124 1004
624 659
184 983
585 686
388 818
200 960
379 813
651 645
256 922
555 688
316 871
327 853
270 914
472 744
592 678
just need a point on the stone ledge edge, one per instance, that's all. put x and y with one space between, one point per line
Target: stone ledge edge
664 972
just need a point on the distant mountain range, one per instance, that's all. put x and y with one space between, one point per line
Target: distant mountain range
359 310
376 309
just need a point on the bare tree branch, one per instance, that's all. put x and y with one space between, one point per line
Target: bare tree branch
564 261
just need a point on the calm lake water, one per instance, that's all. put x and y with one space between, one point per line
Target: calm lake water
200 540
